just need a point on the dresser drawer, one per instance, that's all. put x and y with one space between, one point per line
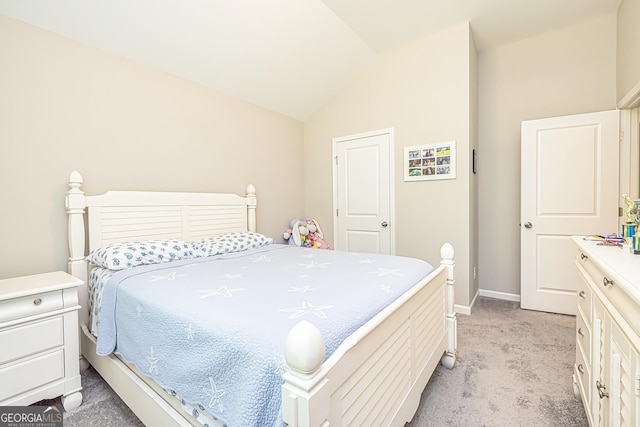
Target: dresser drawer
583 374
584 299
31 338
593 272
21 307
583 337
31 373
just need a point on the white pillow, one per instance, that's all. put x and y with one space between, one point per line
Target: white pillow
118 256
229 242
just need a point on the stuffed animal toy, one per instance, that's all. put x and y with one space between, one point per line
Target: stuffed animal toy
305 233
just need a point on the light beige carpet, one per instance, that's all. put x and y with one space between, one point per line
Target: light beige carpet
513 369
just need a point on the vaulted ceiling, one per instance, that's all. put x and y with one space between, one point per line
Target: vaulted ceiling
289 56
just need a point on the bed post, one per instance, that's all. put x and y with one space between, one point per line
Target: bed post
447 254
305 392
251 207
75 203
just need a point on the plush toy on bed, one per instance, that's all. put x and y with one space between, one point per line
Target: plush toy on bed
305 233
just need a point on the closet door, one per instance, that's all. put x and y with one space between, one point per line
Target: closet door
363 192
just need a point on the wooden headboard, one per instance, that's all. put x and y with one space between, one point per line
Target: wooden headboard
119 216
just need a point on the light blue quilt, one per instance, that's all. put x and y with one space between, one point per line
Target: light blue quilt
213 329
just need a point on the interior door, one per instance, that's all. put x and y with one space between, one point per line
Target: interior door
569 186
363 192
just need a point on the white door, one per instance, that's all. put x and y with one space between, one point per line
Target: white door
363 192
569 186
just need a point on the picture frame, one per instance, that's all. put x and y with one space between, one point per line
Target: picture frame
430 161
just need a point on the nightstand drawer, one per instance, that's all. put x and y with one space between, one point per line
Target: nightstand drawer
30 305
25 340
30 374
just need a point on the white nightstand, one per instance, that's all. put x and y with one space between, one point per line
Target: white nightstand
39 340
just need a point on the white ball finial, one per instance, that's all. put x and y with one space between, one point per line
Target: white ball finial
305 349
446 251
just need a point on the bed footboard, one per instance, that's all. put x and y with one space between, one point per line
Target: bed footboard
376 377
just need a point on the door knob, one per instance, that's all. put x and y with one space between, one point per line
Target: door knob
528 225
385 223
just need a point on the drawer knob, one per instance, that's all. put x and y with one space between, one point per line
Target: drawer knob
37 301
580 332
606 282
583 256
581 368
601 389
582 295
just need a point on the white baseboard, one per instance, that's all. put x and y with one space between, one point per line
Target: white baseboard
467 309
499 295
462 309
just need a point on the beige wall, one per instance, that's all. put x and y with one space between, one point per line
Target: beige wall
628 45
473 178
422 90
66 106
123 126
564 72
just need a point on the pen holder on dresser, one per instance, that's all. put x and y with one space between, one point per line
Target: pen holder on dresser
635 244
631 235
629 232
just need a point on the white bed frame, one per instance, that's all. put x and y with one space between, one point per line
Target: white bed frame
376 377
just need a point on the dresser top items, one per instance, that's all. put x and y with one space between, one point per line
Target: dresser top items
618 262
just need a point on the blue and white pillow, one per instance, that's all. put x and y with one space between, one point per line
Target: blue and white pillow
118 256
229 242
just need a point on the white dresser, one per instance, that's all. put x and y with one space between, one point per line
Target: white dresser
607 369
39 346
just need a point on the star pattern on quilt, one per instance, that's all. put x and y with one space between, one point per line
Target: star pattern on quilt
168 276
314 264
308 255
261 258
281 366
153 362
387 289
301 289
366 261
189 331
222 290
387 272
231 276
307 308
215 394
139 310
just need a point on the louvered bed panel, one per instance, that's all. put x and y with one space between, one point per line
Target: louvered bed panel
387 372
205 221
381 389
119 224
125 215
430 326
